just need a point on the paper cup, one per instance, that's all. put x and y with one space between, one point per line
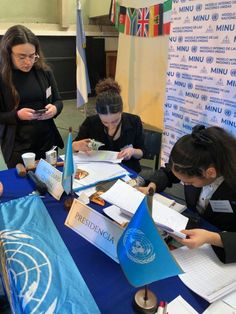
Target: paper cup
51 157
29 160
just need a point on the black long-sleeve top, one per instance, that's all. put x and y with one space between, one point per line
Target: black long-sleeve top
226 222
131 134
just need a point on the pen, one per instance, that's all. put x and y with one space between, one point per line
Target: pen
161 307
165 308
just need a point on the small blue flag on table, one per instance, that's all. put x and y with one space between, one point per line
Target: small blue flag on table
68 170
142 253
39 273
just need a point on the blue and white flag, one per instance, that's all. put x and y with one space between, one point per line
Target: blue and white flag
39 272
142 253
82 78
68 169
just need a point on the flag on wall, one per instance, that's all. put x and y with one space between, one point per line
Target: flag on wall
156 20
117 15
68 169
167 7
122 18
131 21
82 79
143 22
142 253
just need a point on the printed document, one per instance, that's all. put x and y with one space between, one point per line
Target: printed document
128 200
205 274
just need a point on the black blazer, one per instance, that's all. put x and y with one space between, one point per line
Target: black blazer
223 221
131 133
8 116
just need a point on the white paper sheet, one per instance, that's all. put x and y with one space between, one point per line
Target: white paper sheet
205 274
98 156
180 306
129 199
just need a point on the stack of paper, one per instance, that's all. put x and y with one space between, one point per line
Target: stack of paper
97 155
128 200
98 172
204 272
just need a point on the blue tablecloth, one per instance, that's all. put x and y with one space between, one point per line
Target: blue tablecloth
104 277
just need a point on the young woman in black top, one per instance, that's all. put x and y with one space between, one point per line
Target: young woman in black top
205 161
29 98
119 131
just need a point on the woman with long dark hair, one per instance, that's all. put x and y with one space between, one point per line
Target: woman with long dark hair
29 98
205 161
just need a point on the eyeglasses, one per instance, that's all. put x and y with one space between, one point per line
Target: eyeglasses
22 58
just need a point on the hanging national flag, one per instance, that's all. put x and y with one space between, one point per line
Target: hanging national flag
142 253
112 13
167 7
156 20
68 170
117 16
36 262
122 18
131 21
143 22
82 79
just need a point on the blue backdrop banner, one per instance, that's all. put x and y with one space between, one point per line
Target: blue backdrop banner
39 272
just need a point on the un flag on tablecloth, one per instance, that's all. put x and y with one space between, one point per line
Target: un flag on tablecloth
142 253
39 272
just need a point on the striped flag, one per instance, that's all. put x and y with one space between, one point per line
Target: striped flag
122 18
117 16
82 79
167 7
156 20
131 21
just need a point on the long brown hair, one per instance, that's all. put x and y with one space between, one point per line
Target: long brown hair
17 35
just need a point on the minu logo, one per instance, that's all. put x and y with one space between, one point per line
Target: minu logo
199 18
192 95
196 59
231 83
213 109
222 71
182 48
225 28
179 83
228 122
186 8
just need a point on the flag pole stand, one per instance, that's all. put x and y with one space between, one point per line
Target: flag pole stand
145 301
68 202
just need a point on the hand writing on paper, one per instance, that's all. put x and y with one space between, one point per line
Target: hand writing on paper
82 145
145 189
126 153
198 237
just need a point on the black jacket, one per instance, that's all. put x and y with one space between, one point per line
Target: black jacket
131 133
8 116
223 221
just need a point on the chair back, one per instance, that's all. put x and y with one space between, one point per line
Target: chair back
152 143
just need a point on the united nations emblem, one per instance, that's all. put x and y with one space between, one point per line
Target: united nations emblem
138 247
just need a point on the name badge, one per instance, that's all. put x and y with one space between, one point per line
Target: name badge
48 92
52 177
221 206
95 228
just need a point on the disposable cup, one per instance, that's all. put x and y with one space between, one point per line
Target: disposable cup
29 160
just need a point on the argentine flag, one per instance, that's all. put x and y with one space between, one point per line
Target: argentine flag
82 79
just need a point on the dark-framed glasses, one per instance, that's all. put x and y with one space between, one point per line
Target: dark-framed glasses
34 57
